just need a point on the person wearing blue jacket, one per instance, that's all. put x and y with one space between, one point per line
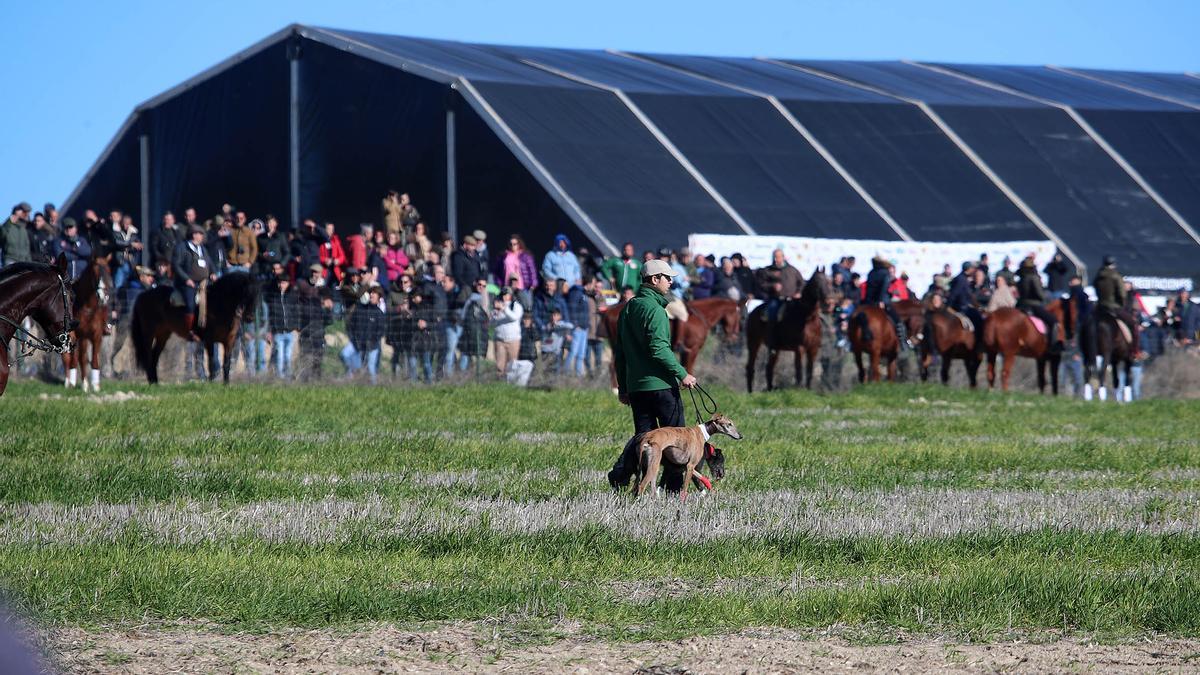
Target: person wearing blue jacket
579 313
561 262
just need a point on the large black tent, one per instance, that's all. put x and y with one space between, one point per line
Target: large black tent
611 147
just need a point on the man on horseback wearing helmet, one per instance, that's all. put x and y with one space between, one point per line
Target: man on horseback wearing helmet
875 293
1031 299
1110 294
962 299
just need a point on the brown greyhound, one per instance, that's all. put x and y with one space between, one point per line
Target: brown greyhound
682 446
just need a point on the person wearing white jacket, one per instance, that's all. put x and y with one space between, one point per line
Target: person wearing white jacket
506 317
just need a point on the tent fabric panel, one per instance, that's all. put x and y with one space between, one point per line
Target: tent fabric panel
474 62
918 83
224 140
1174 85
366 128
615 71
1072 90
1081 194
915 172
769 78
763 166
116 182
607 161
1164 147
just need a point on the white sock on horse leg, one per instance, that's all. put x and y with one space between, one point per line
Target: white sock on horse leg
1087 391
1103 394
72 377
1128 393
95 380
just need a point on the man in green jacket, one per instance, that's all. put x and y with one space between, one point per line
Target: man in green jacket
14 237
623 271
648 372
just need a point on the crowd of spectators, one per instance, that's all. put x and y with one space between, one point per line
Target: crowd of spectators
444 306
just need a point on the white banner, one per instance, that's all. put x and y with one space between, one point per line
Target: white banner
919 259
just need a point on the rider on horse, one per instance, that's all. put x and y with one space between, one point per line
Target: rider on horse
1111 296
876 293
192 266
1031 299
962 299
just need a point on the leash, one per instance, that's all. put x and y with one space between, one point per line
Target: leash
706 399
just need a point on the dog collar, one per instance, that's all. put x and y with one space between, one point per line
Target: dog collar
704 432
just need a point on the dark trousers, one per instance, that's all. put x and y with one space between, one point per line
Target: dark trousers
189 296
651 410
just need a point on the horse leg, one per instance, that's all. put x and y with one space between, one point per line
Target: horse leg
971 363
891 366
1041 375
875 365
1006 371
812 365
156 349
70 363
798 366
772 359
1054 362
227 358
862 373
97 343
991 370
946 370
752 357
210 353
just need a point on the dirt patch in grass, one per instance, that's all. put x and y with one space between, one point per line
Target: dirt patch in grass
486 648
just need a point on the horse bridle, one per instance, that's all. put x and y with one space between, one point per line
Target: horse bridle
31 343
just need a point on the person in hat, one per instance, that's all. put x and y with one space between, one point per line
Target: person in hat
875 293
561 263
353 289
1031 299
481 246
465 266
14 237
961 298
192 266
73 245
1111 295
648 373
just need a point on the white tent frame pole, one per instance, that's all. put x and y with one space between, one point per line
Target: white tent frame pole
660 136
1087 128
800 128
1127 87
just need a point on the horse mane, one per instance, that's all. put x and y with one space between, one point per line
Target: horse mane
813 293
19 268
230 292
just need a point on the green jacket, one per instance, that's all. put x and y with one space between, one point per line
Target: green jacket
14 239
1110 288
642 355
621 274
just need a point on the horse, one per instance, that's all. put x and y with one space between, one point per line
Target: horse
1009 332
703 316
871 331
943 334
232 299
797 330
40 292
1103 344
92 307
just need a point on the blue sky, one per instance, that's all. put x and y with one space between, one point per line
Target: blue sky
74 69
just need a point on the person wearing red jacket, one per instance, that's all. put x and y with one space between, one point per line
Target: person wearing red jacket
358 246
332 255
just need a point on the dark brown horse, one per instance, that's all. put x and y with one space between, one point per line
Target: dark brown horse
1009 333
1103 343
232 299
92 308
871 332
40 292
943 334
798 330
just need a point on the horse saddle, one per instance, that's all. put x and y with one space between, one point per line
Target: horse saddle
1038 324
1125 331
963 319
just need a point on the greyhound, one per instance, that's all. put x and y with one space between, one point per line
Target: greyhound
681 446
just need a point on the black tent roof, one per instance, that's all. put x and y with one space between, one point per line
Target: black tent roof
610 146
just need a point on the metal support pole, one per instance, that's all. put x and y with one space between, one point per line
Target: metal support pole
451 177
148 229
294 130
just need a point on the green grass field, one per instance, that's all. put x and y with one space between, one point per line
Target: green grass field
888 510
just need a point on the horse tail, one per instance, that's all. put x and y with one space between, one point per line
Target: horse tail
864 325
137 333
929 334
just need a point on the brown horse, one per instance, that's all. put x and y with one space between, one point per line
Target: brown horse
40 292
871 332
232 299
92 307
797 330
1009 332
943 334
704 316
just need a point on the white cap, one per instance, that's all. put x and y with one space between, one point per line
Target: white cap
656 267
